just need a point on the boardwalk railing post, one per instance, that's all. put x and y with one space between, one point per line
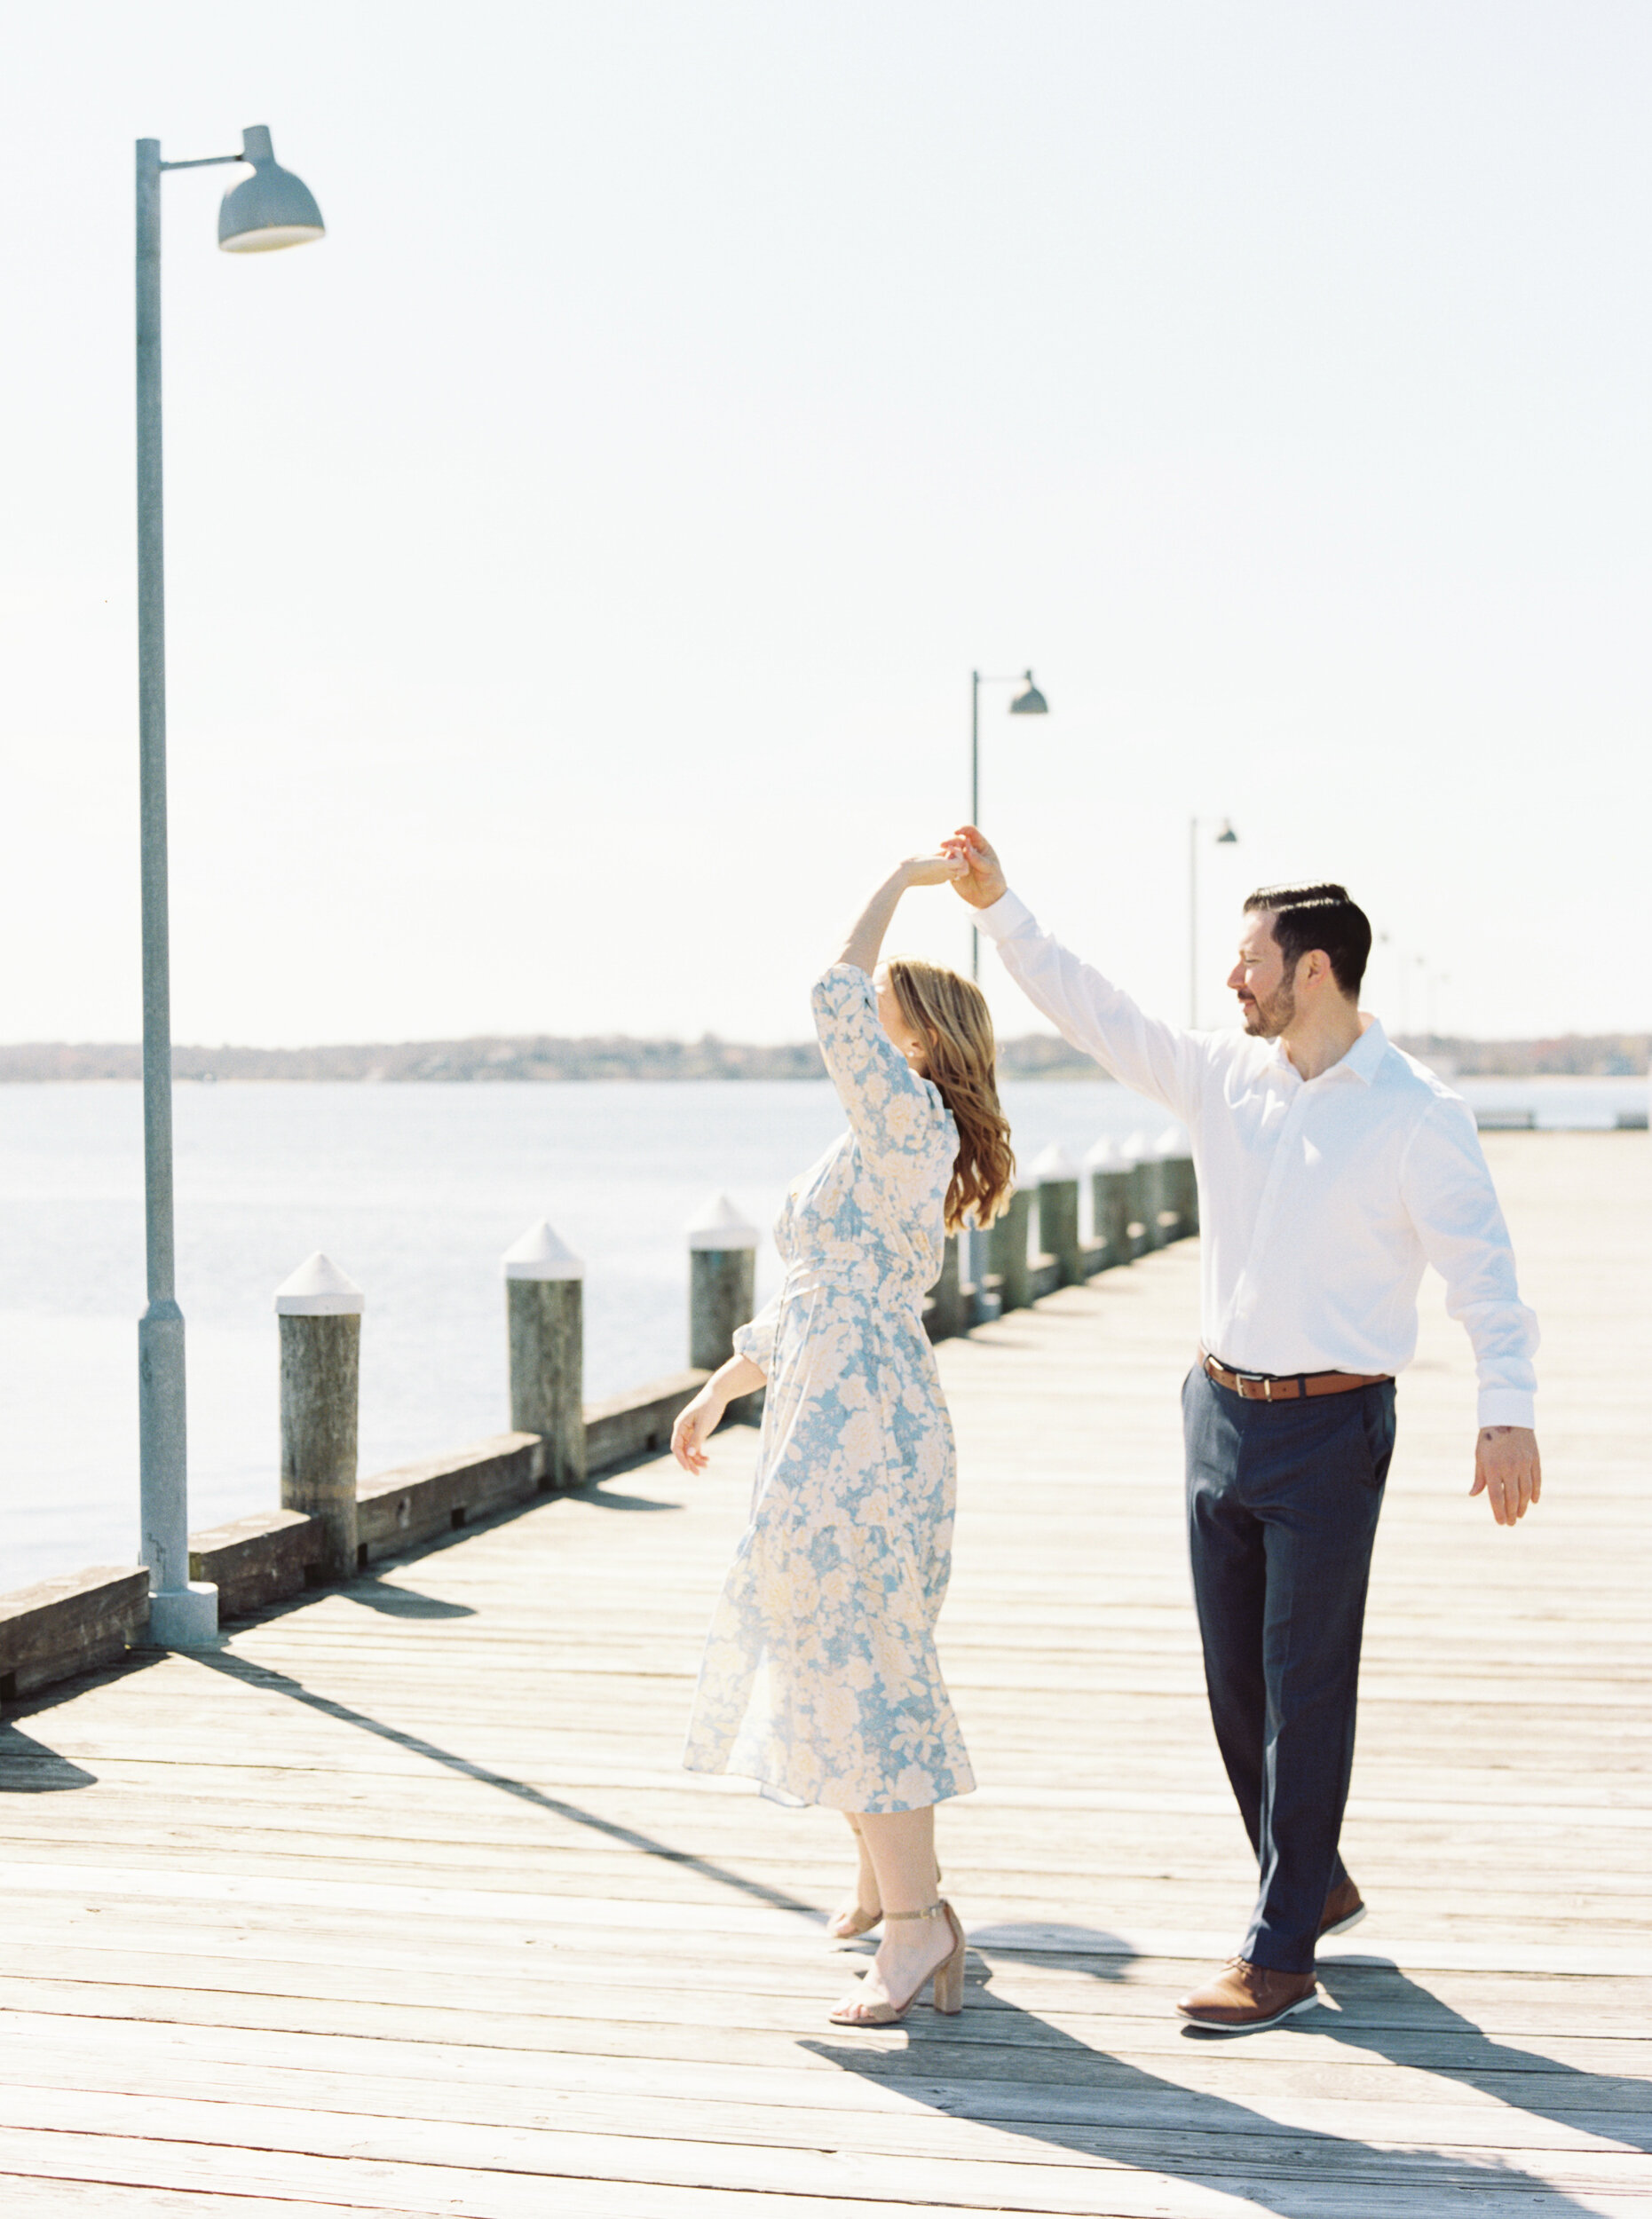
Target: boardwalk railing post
722 1281
1188 1171
320 1313
949 1309
1178 1192
545 1317
1058 1211
1007 1245
1143 1193
1113 1190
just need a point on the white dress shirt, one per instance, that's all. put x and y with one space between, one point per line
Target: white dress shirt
1320 1200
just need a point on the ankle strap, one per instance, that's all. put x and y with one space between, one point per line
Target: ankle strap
934 1911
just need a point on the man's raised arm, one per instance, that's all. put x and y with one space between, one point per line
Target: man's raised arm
1088 1010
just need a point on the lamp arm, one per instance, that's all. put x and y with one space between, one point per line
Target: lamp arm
204 161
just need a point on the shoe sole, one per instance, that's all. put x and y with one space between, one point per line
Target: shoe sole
1343 1925
1255 2025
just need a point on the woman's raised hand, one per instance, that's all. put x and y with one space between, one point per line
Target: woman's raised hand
866 935
939 868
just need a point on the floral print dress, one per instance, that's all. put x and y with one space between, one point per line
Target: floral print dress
820 1677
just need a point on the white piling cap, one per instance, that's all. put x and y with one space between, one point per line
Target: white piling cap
1171 1141
319 1289
717 1224
542 1253
1054 1163
1103 1155
1136 1148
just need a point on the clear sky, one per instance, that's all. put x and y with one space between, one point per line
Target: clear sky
576 563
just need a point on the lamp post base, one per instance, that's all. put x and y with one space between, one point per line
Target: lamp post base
185 1617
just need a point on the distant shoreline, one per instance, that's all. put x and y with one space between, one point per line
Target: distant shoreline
543 1058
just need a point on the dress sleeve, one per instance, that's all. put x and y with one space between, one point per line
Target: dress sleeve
755 1341
897 1117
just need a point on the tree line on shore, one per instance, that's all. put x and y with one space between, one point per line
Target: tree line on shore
542 1057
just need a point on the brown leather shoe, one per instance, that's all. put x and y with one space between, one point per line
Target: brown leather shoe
1243 1997
1344 1907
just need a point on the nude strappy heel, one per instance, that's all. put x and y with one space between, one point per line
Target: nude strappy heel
852 1922
948 1978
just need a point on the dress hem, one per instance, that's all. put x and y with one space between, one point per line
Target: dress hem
777 1791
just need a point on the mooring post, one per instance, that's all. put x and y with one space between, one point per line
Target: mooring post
545 1318
1006 1244
1175 1186
1058 1211
320 1313
1112 1200
722 1281
1143 1193
949 1308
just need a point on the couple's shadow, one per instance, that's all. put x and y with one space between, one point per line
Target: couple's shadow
1004 2067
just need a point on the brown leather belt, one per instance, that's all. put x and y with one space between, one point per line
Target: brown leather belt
1263 1387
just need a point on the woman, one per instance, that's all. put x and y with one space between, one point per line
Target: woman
820 1677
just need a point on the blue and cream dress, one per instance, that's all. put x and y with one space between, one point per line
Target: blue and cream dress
820 1677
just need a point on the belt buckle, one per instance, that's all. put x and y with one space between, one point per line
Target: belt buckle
1255 1380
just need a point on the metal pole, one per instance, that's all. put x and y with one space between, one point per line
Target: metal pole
975 800
179 1615
1193 924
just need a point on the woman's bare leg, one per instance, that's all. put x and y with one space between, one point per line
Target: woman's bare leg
860 1915
901 1845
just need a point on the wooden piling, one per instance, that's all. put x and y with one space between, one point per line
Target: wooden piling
1058 1212
545 1318
319 1311
1006 1250
723 1281
1112 1192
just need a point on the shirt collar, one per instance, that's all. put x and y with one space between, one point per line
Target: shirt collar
1361 1062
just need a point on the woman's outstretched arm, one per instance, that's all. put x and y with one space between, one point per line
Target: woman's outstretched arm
866 935
698 1420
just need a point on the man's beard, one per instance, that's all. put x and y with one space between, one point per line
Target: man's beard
1267 1020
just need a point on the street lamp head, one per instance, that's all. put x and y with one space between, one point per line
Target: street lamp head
1032 703
1226 837
270 208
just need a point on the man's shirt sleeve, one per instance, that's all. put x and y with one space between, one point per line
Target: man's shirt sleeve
1448 1193
1156 1059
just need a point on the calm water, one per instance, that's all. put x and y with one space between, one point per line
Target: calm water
414 1190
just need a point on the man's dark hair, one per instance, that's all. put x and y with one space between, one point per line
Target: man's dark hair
1323 917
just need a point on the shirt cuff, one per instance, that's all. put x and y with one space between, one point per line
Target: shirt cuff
1508 1406
1005 917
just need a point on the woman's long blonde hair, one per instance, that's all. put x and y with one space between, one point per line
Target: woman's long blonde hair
950 1016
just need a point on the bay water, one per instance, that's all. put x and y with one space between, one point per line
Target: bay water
413 1190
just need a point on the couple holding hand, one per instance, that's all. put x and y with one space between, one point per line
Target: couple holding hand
1331 1168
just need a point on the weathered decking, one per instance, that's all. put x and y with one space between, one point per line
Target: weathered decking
399 1903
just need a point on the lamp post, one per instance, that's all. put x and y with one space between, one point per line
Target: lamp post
1226 837
269 209
1028 702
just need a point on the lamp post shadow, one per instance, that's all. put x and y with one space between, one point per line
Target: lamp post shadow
1096 2106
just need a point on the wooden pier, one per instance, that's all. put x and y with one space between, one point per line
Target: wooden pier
399 1903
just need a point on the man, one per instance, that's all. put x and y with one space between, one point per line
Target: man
1331 1168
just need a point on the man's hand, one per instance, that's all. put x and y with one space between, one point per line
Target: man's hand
1506 1466
982 880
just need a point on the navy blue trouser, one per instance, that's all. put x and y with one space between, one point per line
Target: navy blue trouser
1282 1500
